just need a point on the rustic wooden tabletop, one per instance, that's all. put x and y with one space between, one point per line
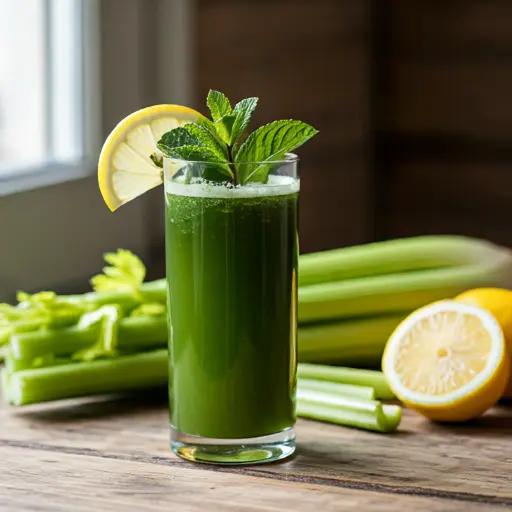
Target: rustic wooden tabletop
113 455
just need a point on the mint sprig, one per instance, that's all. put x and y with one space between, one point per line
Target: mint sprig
217 146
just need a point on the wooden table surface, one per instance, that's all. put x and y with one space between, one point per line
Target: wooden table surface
113 455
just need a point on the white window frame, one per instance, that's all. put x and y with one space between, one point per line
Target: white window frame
54 226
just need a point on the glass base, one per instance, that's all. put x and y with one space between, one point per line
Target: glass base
254 450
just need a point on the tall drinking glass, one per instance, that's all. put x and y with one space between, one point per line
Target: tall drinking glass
231 255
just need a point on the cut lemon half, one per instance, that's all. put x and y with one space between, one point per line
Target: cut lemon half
125 168
448 361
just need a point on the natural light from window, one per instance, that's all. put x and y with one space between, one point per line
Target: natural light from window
23 116
41 84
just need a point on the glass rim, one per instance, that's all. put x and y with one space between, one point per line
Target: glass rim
289 158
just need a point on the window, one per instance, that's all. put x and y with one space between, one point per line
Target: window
22 87
67 76
41 93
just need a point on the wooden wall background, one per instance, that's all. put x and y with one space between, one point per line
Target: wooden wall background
413 101
306 60
445 129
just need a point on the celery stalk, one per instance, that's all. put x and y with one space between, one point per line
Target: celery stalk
393 256
17 365
350 342
387 293
144 370
141 332
348 390
392 415
335 408
151 291
377 421
355 376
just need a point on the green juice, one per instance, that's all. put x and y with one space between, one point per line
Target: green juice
231 273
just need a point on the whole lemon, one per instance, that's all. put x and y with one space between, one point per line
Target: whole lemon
498 302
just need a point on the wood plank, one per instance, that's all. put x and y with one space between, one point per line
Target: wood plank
52 481
462 463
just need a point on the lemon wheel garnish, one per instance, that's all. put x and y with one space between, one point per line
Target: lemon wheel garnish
125 169
447 361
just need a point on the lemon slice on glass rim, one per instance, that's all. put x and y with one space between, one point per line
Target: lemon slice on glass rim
125 168
448 361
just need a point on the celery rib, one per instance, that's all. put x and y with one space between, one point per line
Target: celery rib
393 256
141 332
348 390
398 292
150 291
354 376
348 342
348 411
144 370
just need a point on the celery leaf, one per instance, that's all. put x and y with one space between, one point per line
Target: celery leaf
126 272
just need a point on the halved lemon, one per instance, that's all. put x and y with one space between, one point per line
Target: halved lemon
125 168
448 361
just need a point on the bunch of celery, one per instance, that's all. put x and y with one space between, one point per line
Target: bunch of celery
351 299
111 339
114 339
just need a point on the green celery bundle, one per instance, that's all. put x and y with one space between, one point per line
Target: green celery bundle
114 339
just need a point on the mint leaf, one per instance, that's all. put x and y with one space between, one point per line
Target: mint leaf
269 143
243 111
207 139
176 138
218 104
208 124
194 153
232 124
208 165
224 127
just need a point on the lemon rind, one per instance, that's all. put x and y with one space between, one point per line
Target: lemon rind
118 135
